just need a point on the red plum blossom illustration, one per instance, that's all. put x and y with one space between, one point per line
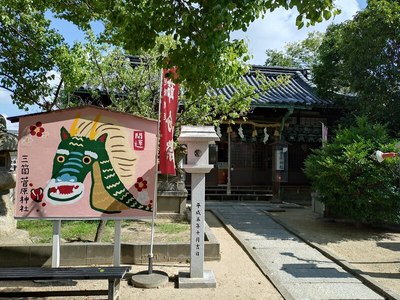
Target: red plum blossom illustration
141 184
37 129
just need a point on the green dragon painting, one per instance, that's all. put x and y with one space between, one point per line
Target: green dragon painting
83 150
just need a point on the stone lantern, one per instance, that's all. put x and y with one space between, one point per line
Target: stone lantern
197 139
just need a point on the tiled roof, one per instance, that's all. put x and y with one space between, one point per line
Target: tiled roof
298 92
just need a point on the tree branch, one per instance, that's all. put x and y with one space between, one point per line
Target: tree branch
57 93
6 88
24 37
11 78
94 57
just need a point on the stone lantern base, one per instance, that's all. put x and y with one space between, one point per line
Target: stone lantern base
171 196
172 202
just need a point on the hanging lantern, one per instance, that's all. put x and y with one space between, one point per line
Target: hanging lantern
301 138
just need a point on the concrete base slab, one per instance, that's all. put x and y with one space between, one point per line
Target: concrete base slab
149 281
208 280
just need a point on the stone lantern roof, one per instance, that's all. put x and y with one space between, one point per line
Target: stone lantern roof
8 141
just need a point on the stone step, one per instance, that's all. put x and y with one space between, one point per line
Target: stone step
238 197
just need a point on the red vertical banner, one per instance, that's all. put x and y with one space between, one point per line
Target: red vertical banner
168 110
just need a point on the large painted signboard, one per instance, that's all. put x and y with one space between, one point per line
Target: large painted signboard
86 162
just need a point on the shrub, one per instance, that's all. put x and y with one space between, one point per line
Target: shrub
350 182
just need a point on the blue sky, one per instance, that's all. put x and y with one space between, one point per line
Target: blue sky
272 32
278 28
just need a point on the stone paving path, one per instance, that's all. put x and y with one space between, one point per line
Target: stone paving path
296 269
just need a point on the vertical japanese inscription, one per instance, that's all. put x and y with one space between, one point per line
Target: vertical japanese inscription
138 140
24 179
199 230
169 105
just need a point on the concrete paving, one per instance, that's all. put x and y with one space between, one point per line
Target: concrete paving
296 269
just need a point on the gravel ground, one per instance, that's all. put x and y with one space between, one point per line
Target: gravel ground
236 275
372 252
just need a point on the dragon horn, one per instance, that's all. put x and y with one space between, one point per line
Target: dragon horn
74 127
94 128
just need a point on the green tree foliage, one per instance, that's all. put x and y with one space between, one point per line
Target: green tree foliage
135 88
130 84
301 54
212 108
361 58
350 182
204 53
31 54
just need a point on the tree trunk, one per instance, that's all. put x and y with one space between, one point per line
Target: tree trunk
100 230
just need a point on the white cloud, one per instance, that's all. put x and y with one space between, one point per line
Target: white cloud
279 27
